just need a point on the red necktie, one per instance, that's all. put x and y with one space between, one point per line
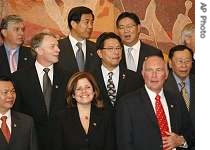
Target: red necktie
160 114
5 128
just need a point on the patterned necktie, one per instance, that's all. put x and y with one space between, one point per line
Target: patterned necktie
111 89
12 62
80 57
185 94
47 89
5 128
161 117
130 62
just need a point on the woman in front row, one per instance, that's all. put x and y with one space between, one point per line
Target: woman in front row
85 124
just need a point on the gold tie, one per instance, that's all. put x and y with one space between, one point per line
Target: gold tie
185 94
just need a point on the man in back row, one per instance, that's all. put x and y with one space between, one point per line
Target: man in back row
77 53
135 51
13 55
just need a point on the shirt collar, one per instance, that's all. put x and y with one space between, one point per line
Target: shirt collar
8 114
178 80
135 46
74 41
106 71
40 68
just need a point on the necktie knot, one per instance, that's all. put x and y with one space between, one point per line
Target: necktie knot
3 118
130 49
182 84
46 70
79 45
157 97
12 52
110 74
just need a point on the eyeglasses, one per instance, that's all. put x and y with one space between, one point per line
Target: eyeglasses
112 48
6 92
183 61
128 27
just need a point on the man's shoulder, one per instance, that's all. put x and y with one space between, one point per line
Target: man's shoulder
22 116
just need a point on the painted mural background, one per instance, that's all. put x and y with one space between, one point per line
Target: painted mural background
161 20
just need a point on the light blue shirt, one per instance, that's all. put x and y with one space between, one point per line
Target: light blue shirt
187 83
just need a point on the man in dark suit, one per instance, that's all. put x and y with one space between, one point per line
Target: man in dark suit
17 131
128 27
109 49
32 89
80 22
13 55
180 63
152 118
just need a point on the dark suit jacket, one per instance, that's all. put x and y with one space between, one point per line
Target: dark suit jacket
145 51
68 133
172 86
23 135
25 59
137 126
67 59
128 81
30 99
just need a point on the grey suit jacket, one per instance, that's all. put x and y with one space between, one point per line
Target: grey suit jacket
23 135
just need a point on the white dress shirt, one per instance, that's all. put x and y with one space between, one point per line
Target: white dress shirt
40 72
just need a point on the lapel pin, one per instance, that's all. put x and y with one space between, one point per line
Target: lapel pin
25 58
123 76
56 86
15 125
94 124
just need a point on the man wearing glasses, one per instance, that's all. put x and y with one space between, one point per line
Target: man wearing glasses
113 78
180 80
17 130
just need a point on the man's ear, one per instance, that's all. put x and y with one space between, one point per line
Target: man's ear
73 24
4 32
170 63
99 53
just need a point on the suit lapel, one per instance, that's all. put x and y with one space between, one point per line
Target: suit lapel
121 83
89 55
172 108
95 117
146 102
4 60
15 127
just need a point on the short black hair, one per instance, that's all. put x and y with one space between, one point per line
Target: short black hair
130 15
6 78
179 48
104 36
76 13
